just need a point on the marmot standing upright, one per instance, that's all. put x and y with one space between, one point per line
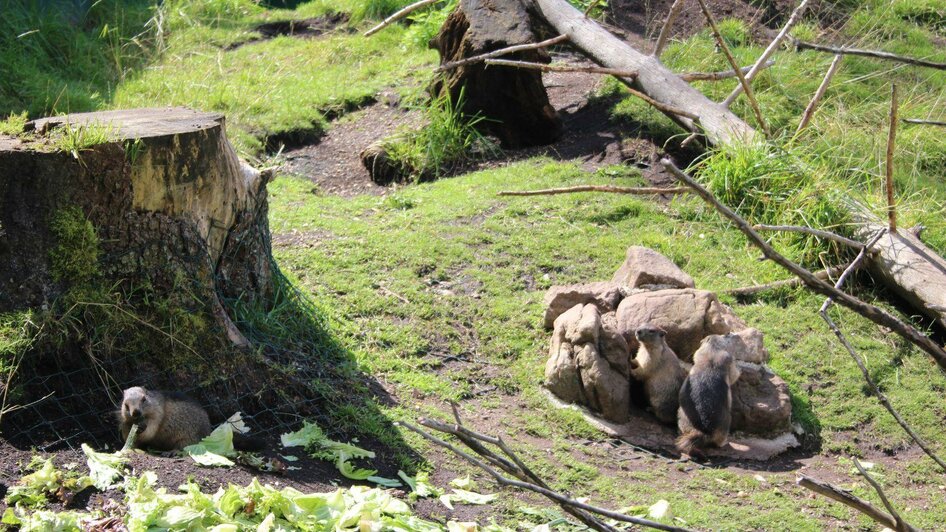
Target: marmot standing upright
658 367
167 421
706 397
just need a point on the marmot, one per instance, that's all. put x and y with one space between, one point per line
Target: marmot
167 421
706 397
658 367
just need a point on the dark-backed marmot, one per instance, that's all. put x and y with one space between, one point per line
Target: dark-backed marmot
706 397
658 367
167 421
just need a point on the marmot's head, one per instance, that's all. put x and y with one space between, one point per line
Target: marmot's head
649 333
139 406
715 351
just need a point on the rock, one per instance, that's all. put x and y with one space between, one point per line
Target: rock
561 370
613 345
558 299
688 315
645 267
761 404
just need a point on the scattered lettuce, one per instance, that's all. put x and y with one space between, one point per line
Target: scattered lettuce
217 448
34 489
318 445
104 468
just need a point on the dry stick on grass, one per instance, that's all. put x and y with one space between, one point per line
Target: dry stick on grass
813 104
891 143
827 235
871 312
805 45
591 5
502 51
786 283
664 36
902 526
823 312
735 66
565 502
757 67
847 498
716 76
924 122
398 15
597 188
627 74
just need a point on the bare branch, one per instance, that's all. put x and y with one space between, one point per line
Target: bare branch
805 45
813 104
924 122
871 312
563 68
847 498
675 10
827 235
786 283
591 5
757 67
399 15
662 106
732 62
597 188
902 525
891 144
502 51
716 76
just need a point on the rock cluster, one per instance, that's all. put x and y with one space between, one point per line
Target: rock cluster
593 341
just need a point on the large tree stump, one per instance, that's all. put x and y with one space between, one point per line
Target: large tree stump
514 100
170 203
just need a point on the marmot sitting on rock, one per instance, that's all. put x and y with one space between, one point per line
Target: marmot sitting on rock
658 367
706 397
167 421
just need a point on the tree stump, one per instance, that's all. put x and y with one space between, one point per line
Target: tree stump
170 204
514 100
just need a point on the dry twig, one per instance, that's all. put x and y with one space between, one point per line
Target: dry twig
849 499
398 15
597 188
716 76
891 143
562 68
732 62
924 122
502 51
827 235
757 67
871 312
675 10
805 45
901 525
786 283
813 104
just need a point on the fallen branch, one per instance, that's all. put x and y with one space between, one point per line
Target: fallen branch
805 45
735 67
860 363
502 51
716 76
813 104
562 68
660 106
902 526
399 15
827 235
924 122
597 188
675 10
757 67
528 480
785 283
871 312
847 498
891 143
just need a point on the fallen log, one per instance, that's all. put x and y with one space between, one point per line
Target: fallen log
719 124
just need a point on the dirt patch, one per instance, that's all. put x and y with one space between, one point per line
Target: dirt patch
306 28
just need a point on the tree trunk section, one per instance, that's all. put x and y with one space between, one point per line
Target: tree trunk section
513 100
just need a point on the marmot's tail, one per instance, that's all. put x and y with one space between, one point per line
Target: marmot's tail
692 439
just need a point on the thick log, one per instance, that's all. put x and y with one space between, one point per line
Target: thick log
167 197
719 124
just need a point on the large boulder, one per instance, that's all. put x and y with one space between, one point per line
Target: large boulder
588 363
644 267
761 404
559 299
